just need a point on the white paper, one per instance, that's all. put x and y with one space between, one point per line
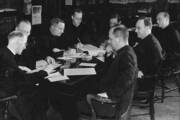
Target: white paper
103 95
68 2
79 71
65 58
56 77
36 14
88 64
92 50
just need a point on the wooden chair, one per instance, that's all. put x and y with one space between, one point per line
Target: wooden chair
5 101
7 94
101 108
145 98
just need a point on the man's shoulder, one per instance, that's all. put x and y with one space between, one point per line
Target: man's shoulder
127 51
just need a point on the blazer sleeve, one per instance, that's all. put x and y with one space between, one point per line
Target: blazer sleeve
125 78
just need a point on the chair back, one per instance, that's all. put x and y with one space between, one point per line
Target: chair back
104 108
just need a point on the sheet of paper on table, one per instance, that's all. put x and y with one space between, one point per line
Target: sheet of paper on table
88 64
56 77
79 71
103 95
92 50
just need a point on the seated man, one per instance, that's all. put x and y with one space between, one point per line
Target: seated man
23 79
52 43
114 20
170 40
148 51
76 31
28 56
122 71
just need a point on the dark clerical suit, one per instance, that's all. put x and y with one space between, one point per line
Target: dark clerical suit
75 34
170 41
149 55
30 102
28 56
46 43
121 73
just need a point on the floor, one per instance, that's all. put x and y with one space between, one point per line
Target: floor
169 110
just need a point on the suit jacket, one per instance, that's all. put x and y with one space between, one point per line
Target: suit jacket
47 42
74 34
28 57
19 77
121 73
149 54
170 41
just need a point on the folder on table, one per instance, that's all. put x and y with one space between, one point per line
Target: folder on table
88 64
56 77
79 71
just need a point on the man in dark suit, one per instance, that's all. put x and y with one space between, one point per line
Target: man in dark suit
148 51
77 32
53 42
28 56
170 40
122 71
29 103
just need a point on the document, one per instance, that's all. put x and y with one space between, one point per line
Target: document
64 58
79 71
56 77
103 95
92 50
88 64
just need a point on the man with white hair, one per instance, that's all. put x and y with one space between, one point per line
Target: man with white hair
23 80
170 40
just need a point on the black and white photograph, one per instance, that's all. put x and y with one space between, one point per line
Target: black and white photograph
89 59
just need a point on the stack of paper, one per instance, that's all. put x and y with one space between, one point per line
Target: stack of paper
56 77
88 64
92 50
79 71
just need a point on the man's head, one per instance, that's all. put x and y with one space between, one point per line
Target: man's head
17 41
163 19
57 27
118 37
77 17
24 26
114 20
143 27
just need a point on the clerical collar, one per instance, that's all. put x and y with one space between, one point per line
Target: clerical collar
11 50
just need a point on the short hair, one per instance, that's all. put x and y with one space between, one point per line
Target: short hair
121 31
15 34
77 10
147 21
165 14
115 15
23 20
55 21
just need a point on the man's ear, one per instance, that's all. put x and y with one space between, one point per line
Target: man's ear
72 17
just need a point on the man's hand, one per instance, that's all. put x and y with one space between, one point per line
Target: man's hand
140 74
55 50
50 60
24 68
